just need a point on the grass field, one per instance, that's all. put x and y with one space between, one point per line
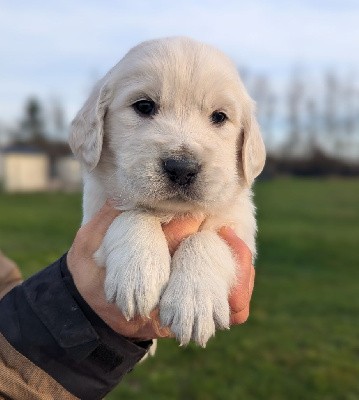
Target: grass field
302 338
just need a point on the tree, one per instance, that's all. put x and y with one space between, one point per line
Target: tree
58 119
331 107
312 126
294 101
32 127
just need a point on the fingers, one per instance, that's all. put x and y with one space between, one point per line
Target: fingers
241 294
178 229
158 330
142 328
241 316
241 250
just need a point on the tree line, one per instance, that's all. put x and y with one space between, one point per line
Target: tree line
310 126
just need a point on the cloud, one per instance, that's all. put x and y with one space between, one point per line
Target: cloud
55 47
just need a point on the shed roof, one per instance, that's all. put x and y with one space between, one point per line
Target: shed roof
22 149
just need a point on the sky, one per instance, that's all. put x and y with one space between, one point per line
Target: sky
56 50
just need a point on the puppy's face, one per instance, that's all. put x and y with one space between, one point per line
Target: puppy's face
170 127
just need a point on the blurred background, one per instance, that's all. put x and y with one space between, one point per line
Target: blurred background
300 62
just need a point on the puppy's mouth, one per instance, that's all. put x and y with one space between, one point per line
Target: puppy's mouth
179 198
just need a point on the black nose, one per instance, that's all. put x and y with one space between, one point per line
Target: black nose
182 171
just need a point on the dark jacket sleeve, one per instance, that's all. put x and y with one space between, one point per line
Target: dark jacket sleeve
46 320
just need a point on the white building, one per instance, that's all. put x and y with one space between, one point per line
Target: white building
24 170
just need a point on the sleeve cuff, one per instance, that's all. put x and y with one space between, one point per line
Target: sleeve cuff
50 323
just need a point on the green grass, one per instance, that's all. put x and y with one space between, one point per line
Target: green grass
301 341
35 229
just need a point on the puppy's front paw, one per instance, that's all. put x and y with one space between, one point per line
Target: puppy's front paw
195 301
137 263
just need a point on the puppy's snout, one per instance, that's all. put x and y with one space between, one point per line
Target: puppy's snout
182 171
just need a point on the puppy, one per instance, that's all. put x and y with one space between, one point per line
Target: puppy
168 132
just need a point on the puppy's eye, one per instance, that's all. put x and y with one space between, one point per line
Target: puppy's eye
145 107
218 117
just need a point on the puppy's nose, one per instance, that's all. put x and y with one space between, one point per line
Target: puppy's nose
182 171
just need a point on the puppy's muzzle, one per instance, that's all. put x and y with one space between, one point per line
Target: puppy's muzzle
181 171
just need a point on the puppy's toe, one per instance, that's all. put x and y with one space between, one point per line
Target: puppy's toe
118 293
189 320
181 327
125 301
146 298
166 314
221 313
179 318
111 285
203 329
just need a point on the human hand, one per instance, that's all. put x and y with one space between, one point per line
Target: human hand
241 294
89 279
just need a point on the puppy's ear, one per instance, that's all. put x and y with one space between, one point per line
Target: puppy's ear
253 152
87 128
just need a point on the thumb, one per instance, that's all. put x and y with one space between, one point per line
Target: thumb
179 229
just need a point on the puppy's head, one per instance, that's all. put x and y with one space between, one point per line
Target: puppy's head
170 127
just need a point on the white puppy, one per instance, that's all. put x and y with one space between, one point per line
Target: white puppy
168 132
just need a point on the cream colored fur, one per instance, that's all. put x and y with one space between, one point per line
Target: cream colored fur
121 152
